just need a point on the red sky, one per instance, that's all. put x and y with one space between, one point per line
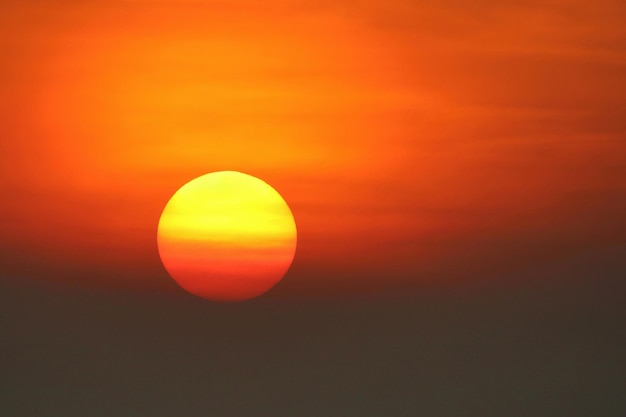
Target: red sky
416 142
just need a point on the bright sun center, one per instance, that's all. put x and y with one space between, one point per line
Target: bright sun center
227 236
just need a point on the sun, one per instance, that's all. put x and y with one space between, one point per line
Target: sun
227 236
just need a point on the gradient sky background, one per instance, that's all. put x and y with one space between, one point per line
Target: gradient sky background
457 171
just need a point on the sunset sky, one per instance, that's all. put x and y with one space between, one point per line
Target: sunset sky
424 147
428 141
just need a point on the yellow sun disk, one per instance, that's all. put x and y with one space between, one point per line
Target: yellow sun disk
210 210
227 236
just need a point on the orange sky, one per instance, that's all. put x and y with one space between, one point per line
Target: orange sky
416 142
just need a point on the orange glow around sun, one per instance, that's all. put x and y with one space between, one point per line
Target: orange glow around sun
417 143
227 236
